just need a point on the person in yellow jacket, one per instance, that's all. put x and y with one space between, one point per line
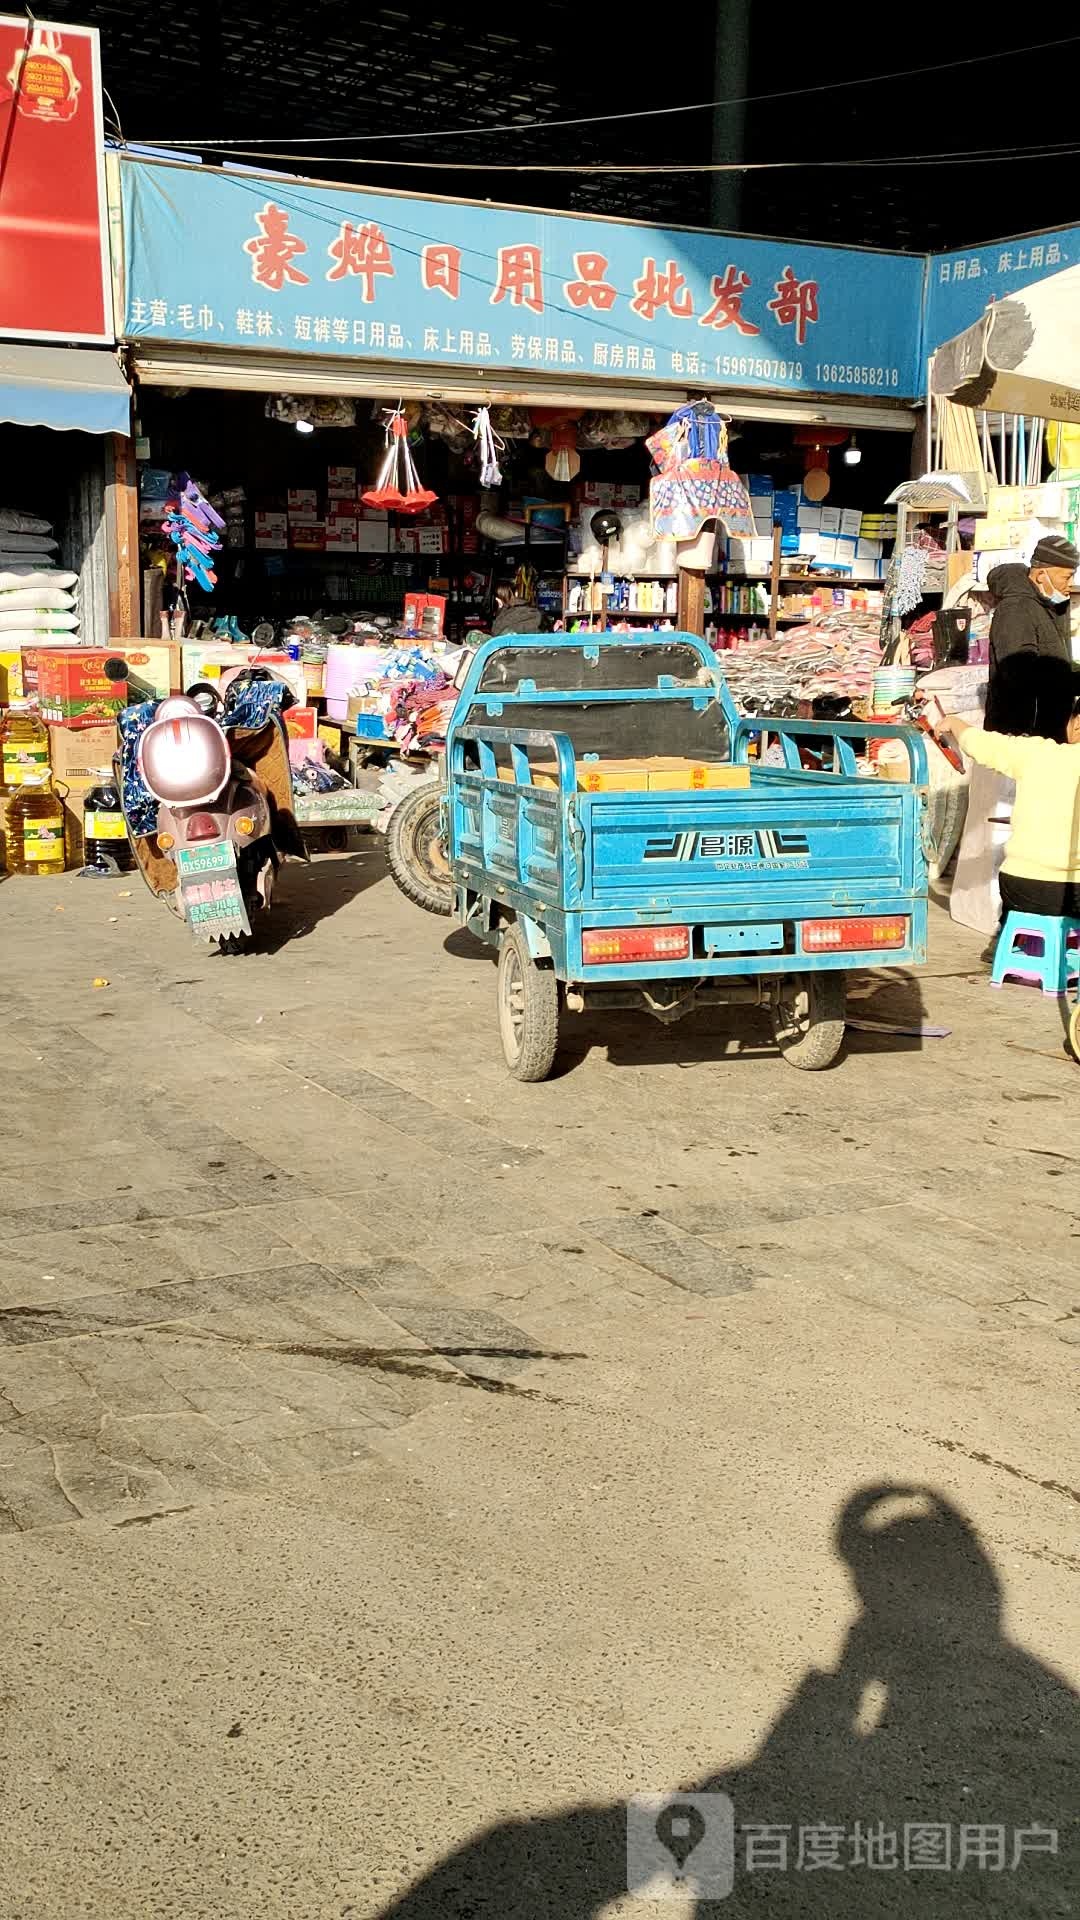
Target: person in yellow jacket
1041 869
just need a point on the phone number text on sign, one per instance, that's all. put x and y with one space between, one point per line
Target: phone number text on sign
744 366
832 375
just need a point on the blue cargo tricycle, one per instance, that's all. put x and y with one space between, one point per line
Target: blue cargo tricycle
607 827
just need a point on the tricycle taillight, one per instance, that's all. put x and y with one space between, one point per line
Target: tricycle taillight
614 946
842 935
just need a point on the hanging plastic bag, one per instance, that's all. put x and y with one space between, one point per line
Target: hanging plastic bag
441 421
489 445
398 485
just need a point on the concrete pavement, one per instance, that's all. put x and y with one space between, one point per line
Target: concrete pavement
400 1468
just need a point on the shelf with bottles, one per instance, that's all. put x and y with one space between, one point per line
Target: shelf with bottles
633 595
620 623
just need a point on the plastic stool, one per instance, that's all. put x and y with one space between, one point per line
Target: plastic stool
1043 951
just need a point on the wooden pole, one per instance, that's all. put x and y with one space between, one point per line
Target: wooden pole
690 616
603 590
122 524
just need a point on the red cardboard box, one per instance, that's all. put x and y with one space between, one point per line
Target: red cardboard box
300 723
81 686
425 613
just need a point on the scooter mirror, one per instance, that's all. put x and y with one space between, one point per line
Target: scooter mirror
463 666
206 698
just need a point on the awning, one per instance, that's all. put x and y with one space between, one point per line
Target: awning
161 365
1021 356
70 388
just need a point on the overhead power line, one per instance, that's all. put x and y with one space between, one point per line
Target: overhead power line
644 113
976 156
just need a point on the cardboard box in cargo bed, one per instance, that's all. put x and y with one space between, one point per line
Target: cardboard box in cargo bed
661 773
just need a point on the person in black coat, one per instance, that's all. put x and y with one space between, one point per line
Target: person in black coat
515 615
1032 679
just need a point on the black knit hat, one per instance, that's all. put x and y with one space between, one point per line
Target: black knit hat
1055 551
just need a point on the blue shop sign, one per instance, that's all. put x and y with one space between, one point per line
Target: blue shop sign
960 286
258 261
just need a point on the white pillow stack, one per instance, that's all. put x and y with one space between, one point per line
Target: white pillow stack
37 605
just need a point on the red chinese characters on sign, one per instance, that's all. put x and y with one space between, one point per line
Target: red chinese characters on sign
440 270
796 303
362 251
591 288
726 311
520 278
662 287
273 251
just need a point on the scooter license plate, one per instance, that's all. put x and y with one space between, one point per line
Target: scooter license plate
210 890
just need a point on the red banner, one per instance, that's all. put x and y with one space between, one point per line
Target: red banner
54 253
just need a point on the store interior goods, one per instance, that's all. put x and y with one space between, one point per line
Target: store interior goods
318 519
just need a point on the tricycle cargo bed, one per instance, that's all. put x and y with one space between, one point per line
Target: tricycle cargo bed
780 840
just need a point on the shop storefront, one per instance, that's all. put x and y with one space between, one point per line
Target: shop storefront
272 326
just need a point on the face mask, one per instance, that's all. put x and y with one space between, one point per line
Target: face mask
1055 598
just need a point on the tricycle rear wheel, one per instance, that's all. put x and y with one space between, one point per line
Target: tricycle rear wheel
528 1009
808 1018
1074 1030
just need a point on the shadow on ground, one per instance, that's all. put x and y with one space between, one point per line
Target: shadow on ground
928 1773
306 895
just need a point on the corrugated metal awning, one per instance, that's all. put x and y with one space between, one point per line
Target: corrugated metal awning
73 389
160 365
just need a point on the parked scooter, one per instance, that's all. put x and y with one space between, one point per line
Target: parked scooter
206 789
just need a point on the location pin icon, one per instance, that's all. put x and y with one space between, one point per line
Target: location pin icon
680 1827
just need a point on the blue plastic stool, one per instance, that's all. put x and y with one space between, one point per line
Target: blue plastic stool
1039 950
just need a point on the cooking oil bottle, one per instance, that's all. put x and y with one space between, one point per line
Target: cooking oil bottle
24 745
104 832
35 827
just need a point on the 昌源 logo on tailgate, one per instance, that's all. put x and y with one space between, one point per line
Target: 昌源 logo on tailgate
759 847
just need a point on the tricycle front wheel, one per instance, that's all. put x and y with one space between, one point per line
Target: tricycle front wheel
808 1018
528 1009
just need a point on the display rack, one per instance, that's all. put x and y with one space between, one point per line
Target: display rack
689 612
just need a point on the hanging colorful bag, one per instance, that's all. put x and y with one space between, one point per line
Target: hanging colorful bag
696 482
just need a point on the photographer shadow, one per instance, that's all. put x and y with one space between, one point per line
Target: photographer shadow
902 1782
